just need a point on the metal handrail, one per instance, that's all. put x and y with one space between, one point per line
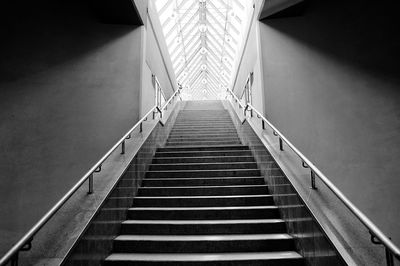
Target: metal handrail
177 92
236 98
376 233
25 242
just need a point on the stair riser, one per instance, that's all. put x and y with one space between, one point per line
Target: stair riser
180 122
202 229
202 123
202 137
204 160
204 173
214 191
203 153
204 182
203 134
205 166
205 127
203 246
206 148
203 214
200 131
204 202
202 143
186 120
274 262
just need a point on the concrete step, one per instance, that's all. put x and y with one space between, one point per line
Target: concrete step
204 173
225 119
203 190
203 166
201 131
283 258
204 126
199 201
203 148
203 243
203 213
211 181
204 159
184 121
197 134
202 123
203 201
203 227
172 153
204 142
202 138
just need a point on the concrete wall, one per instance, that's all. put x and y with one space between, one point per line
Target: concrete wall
157 54
69 88
156 60
251 60
331 81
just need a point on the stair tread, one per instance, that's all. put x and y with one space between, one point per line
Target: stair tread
202 237
203 197
210 146
192 214
203 208
206 157
208 178
204 170
204 256
200 151
189 187
224 163
196 222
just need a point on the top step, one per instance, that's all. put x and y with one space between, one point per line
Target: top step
204 105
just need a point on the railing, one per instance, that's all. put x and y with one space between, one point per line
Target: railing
25 243
377 236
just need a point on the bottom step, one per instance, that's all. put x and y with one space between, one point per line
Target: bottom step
284 258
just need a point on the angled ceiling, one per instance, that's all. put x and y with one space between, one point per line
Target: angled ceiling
203 39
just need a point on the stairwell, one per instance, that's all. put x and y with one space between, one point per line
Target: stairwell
203 202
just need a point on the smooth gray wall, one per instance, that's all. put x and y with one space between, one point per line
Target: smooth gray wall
69 89
331 80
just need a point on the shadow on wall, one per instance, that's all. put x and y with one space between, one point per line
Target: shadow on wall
67 93
40 35
332 86
361 34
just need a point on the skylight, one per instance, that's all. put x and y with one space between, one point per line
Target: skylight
203 39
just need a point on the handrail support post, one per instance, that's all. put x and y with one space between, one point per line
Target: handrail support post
90 184
123 147
312 177
389 257
14 259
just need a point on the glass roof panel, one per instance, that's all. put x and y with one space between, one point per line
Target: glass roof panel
203 39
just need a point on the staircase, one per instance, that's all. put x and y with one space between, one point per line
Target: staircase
203 202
